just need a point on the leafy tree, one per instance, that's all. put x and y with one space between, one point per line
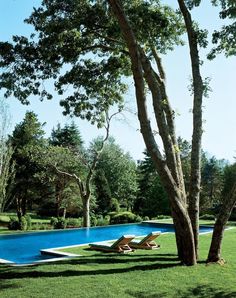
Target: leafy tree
6 151
120 172
84 179
103 192
67 136
48 158
26 136
225 39
212 182
151 198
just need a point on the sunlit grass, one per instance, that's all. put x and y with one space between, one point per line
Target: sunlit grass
138 274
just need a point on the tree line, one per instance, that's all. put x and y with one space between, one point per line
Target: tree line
45 172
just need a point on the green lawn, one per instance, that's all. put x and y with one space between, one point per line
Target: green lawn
150 274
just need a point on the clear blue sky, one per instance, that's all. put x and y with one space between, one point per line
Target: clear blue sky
220 108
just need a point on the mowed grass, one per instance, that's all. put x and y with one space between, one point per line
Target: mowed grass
141 274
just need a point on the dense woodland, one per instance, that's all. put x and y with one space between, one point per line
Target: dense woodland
89 49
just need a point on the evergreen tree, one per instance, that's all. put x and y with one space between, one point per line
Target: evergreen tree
151 199
26 137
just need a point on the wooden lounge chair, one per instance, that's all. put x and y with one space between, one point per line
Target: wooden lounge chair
147 242
121 245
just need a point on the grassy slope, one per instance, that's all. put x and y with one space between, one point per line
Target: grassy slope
140 274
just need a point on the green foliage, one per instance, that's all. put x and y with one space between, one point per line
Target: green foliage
207 217
114 205
74 222
23 224
120 173
225 39
103 192
58 223
68 137
7 170
40 226
26 138
84 36
123 217
212 182
53 221
14 224
151 199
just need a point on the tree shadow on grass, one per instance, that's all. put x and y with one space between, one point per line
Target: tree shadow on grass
132 265
200 291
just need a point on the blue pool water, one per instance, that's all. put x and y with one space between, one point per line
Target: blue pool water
25 248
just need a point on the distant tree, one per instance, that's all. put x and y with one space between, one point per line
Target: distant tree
212 183
120 172
151 198
6 151
68 136
103 192
26 136
89 161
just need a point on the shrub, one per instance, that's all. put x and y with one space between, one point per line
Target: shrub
103 221
146 218
123 217
23 223
162 216
53 222
58 222
207 217
114 205
40 226
74 222
61 224
93 220
28 221
14 224
138 218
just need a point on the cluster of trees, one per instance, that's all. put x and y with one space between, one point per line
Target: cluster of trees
103 42
45 174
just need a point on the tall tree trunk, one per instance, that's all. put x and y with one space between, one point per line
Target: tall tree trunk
64 212
195 179
214 254
86 211
167 169
19 207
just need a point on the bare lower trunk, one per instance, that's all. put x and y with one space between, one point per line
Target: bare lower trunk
86 215
64 213
214 254
184 237
19 211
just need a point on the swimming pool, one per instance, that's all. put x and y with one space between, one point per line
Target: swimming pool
25 248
